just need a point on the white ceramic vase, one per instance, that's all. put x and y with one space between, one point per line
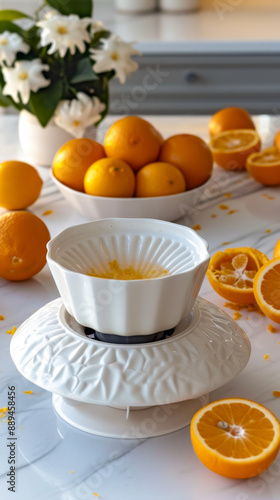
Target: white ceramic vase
41 143
135 6
179 5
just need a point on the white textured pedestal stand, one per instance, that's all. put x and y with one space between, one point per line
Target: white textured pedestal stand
128 424
125 390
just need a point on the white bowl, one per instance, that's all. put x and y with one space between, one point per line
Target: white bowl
167 208
128 307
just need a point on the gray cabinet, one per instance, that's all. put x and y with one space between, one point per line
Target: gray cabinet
199 84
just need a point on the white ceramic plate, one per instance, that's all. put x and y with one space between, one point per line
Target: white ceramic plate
167 208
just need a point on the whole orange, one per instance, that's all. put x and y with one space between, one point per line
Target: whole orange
23 240
73 159
230 119
20 185
110 177
159 179
191 155
133 140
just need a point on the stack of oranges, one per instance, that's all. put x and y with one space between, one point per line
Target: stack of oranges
236 145
134 161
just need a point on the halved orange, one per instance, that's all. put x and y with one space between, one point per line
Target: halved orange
276 251
230 149
267 289
235 437
231 273
277 139
264 167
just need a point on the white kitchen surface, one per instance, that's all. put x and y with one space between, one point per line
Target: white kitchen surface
55 461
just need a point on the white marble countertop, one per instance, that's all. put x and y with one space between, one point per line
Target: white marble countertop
221 29
55 461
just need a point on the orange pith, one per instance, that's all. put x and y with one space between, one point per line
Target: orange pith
231 273
230 149
235 437
264 167
267 289
230 119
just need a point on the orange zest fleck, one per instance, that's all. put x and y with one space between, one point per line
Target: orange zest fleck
268 197
27 392
250 308
1 317
12 331
213 216
271 328
227 195
3 412
276 394
223 207
268 231
237 315
226 242
266 357
48 212
196 227
230 212
71 471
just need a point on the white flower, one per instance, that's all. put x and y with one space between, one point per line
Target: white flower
50 13
78 114
65 32
114 54
96 26
25 77
10 44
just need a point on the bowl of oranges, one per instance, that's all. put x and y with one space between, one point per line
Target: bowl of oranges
135 173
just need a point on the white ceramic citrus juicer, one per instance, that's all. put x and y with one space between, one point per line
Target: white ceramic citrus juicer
129 358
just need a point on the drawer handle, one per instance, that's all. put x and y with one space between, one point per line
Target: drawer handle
191 77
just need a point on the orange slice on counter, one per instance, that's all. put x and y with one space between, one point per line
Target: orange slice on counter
235 437
230 149
231 273
264 167
267 289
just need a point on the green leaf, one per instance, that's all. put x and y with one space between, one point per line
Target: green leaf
4 102
83 8
10 15
83 72
44 102
9 26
